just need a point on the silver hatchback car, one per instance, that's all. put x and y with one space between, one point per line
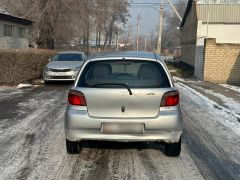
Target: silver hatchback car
124 96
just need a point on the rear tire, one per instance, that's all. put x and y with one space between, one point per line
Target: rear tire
173 149
73 147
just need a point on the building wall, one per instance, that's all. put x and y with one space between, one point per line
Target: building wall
221 62
14 41
188 35
223 33
199 63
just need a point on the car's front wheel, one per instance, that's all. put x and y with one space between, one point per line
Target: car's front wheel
173 149
73 147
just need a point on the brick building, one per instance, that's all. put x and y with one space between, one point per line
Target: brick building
218 20
221 62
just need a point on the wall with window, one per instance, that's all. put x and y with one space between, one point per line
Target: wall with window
13 35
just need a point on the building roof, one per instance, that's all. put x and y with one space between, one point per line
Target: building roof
4 11
6 16
217 11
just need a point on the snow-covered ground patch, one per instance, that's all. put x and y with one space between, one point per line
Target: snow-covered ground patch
10 92
234 88
178 79
175 78
172 70
228 117
2 88
229 102
24 85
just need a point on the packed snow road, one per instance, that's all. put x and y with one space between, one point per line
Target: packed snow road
32 143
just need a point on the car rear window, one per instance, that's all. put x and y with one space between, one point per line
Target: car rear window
134 73
68 57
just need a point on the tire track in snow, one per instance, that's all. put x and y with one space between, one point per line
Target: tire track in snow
18 150
98 160
215 159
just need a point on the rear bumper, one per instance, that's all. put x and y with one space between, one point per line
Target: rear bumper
156 136
167 127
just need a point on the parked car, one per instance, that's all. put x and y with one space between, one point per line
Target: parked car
124 96
63 66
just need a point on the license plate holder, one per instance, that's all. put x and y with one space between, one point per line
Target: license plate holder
122 128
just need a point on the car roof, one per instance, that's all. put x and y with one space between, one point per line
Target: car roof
125 54
70 52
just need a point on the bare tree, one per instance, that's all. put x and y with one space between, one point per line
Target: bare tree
171 37
65 20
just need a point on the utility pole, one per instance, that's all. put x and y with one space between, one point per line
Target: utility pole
145 44
159 45
129 35
117 39
138 24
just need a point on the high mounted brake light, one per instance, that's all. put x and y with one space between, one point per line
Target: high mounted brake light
76 98
170 99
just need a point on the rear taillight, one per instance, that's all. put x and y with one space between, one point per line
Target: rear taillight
76 99
170 99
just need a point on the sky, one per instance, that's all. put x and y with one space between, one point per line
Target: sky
150 15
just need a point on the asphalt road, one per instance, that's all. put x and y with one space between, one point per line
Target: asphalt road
32 144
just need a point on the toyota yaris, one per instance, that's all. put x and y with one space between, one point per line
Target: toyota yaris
126 97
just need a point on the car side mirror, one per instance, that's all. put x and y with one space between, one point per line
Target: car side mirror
49 59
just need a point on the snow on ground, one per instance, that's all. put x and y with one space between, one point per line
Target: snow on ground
234 88
178 79
175 78
14 91
172 70
9 92
33 147
225 116
229 102
26 85
2 88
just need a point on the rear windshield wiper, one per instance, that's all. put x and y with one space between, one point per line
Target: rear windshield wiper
115 84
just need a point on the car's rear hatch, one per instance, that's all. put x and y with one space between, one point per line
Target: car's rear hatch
123 88
117 103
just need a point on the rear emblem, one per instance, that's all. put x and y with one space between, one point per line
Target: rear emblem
123 109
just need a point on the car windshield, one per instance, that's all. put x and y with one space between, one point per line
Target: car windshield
68 57
134 73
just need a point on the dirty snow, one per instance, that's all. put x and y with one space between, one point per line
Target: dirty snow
24 85
234 88
6 88
33 147
175 78
229 102
221 114
13 92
